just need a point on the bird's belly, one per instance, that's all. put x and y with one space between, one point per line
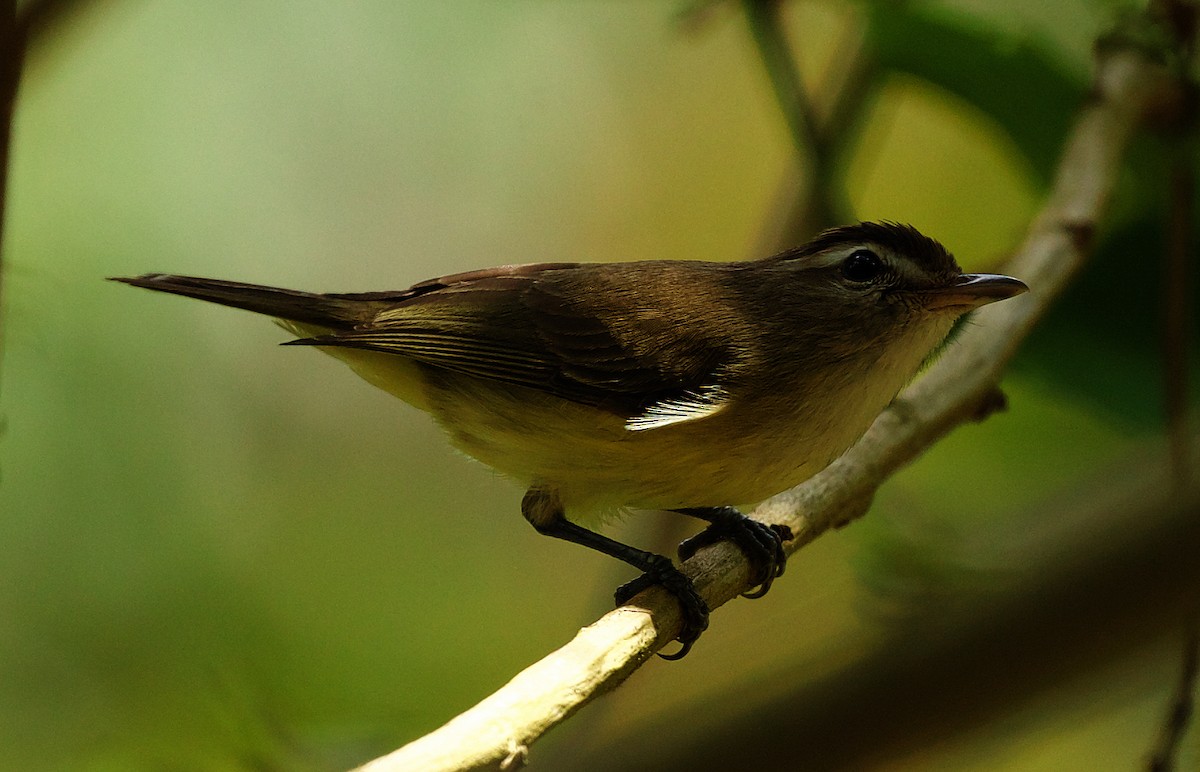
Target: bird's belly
598 466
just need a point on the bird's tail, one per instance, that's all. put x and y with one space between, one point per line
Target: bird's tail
332 311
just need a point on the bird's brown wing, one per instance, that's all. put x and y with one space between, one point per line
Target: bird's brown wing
591 334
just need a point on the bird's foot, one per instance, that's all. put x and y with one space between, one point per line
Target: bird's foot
762 543
695 610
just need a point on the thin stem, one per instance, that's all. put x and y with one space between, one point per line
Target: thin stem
843 93
1177 313
1182 706
766 27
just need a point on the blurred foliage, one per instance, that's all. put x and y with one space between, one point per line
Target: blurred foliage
994 71
1020 85
218 555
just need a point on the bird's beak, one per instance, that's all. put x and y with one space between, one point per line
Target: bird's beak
972 290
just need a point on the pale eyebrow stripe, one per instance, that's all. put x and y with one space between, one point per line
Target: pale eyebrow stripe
904 268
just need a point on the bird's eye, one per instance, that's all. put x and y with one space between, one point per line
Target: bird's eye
862 265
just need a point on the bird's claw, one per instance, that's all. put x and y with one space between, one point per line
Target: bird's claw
695 609
762 543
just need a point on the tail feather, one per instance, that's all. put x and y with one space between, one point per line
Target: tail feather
305 307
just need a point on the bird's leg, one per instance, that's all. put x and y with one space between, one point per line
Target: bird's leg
543 509
762 543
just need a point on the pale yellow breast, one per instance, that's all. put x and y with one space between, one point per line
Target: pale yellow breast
749 451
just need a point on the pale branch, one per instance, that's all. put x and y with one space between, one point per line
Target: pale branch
1084 577
1127 87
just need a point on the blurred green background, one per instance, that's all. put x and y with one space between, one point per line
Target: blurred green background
218 554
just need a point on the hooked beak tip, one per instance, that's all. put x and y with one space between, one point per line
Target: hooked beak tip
972 290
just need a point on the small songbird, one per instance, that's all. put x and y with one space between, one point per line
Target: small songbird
672 385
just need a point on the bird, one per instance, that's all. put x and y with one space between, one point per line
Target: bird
688 386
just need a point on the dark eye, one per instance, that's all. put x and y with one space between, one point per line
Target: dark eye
862 265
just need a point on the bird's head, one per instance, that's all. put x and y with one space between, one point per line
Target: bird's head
878 283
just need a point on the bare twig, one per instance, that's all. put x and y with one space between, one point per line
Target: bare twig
838 104
822 199
605 653
766 27
845 85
